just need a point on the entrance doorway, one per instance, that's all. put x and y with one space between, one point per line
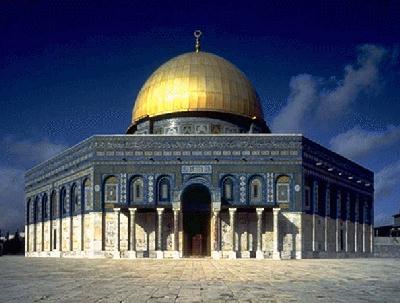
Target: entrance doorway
196 207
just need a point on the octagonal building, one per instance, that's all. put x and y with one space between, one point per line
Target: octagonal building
198 173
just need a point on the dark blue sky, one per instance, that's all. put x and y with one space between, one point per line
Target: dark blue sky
71 69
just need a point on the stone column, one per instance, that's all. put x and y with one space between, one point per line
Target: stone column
232 212
259 252
60 233
26 239
337 235
276 255
327 215
326 219
42 214
117 213
363 238
180 234
215 235
347 240
371 234
132 233
346 235
176 254
356 218
159 252
314 232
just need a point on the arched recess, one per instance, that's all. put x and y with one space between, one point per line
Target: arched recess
163 190
63 201
53 215
28 211
228 186
136 190
74 199
282 189
196 212
36 210
110 191
256 190
28 221
35 220
87 195
45 213
44 216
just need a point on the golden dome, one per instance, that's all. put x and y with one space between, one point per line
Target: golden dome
197 81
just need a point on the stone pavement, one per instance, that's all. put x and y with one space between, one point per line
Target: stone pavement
198 280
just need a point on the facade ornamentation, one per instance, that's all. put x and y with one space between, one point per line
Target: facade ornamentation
199 173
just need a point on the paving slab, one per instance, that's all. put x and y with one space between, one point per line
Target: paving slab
198 280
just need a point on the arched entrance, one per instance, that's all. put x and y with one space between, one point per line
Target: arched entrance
196 207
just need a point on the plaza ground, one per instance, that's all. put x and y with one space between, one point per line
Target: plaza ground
198 280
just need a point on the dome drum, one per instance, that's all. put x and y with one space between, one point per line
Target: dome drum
198 123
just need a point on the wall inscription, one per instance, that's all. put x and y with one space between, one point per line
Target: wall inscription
196 169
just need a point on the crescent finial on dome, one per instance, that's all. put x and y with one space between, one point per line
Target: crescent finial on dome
197 34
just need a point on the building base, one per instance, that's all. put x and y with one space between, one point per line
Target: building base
159 254
259 255
216 255
276 255
130 254
232 255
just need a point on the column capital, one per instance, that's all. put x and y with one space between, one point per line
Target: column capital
132 209
116 209
259 210
176 205
276 210
216 205
160 210
215 211
232 210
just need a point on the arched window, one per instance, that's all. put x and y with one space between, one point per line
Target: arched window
53 208
136 190
28 211
87 194
111 190
256 190
63 201
36 210
282 189
163 190
227 189
45 213
74 199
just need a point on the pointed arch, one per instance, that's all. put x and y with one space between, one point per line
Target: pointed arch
227 189
136 190
63 201
282 189
163 189
45 213
110 190
74 199
53 205
87 194
256 189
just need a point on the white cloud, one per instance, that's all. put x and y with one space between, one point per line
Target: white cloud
303 95
387 180
356 80
11 198
314 100
358 142
26 153
19 155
